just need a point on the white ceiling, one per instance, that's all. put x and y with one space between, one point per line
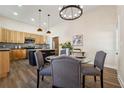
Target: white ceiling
26 12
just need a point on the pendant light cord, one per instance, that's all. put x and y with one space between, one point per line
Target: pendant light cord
39 17
48 21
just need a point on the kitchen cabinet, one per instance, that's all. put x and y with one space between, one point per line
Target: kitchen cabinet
8 35
11 36
18 54
4 63
39 39
20 37
0 34
4 35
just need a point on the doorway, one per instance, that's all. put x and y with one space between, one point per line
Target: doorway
117 42
55 44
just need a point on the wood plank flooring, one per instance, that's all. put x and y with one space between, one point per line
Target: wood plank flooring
23 75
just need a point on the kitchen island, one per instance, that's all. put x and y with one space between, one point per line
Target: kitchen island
45 52
4 62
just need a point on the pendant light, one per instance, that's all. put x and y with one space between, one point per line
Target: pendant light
48 32
39 29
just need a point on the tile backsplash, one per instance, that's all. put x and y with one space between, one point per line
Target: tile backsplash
13 46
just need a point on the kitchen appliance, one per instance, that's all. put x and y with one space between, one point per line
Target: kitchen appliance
29 40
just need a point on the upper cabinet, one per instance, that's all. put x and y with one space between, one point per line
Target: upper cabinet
0 34
11 36
39 39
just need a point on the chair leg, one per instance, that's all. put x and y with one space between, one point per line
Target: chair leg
37 78
42 77
101 79
83 81
95 78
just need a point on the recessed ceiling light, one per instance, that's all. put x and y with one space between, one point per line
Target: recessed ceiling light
60 8
19 5
15 13
44 23
32 19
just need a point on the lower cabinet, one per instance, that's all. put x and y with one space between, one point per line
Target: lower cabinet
4 63
17 54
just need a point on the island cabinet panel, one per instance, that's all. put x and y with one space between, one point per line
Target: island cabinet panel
4 63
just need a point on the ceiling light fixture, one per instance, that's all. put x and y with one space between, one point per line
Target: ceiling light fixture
48 31
15 13
71 12
19 5
32 19
39 28
60 8
44 23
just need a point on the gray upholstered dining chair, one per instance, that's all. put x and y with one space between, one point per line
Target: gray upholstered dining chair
97 69
66 72
41 69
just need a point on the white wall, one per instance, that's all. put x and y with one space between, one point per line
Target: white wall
121 38
98 28
18 26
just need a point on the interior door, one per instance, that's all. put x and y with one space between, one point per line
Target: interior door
117 40
55 44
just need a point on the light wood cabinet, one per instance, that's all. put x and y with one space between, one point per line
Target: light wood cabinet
18 54
11 36
8 34
39 39
0 34
4 35
4 63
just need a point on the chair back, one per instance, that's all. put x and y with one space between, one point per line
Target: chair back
66 72
39 59
100 59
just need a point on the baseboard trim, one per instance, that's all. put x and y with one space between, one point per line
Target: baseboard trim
120 81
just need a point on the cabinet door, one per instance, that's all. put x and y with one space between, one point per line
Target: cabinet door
36 39
42 40
12 36
19 37
22 37
4 35
28 34
23 53
4 63
0 35
8 33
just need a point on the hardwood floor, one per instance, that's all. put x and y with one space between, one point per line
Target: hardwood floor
23 75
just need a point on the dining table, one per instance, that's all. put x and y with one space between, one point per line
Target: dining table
84 60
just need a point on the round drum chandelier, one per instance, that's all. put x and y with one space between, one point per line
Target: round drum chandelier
71 12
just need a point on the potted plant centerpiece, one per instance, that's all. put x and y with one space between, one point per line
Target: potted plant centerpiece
68 46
